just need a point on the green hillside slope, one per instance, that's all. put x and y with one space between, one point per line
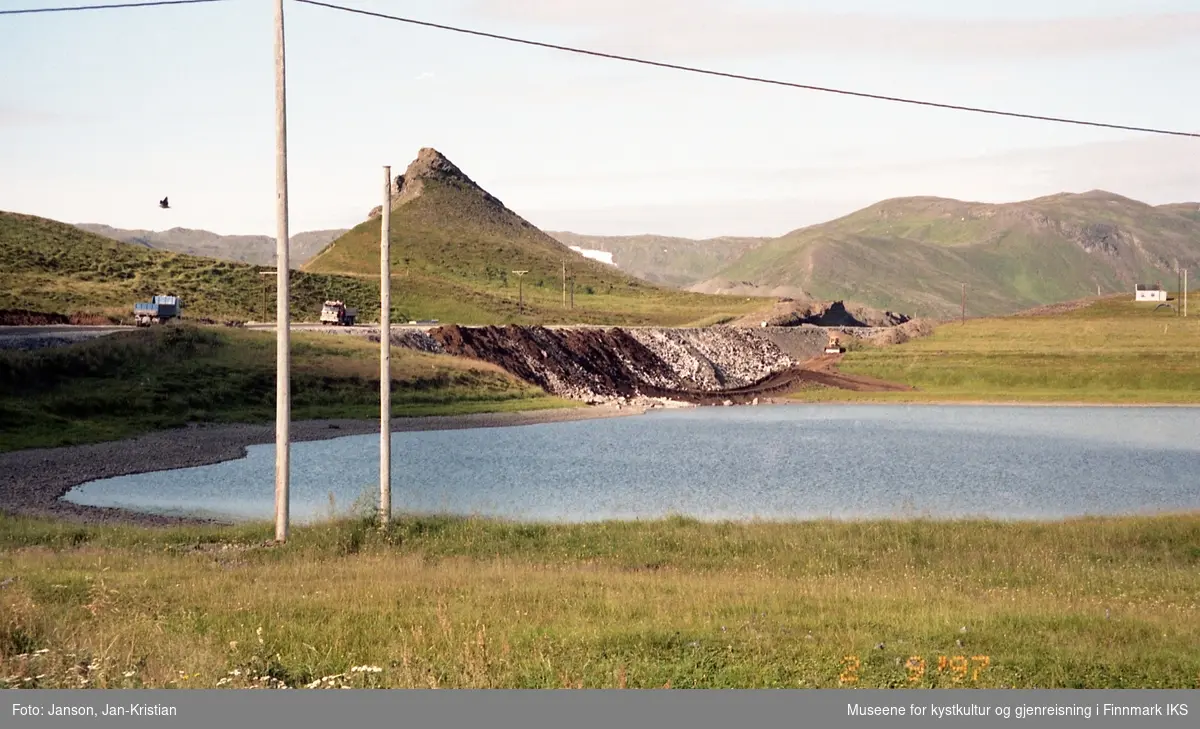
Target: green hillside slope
915 254
1188 210
54 267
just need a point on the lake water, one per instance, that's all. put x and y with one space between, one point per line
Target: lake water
777 462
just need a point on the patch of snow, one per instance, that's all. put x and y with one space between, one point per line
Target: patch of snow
602 256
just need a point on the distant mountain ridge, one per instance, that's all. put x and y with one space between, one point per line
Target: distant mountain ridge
916 254
258 250
912 254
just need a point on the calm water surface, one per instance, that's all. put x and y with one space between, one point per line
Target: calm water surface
780 462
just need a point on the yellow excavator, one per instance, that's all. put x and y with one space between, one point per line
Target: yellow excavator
835 344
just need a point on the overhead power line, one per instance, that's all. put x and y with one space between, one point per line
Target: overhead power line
153 3
755 79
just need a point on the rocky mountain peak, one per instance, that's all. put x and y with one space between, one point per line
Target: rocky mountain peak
429 165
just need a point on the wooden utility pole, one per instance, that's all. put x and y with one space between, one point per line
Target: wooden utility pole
385 353
572 292
964 304
1185 292
520 290
264 292
283 320
564 281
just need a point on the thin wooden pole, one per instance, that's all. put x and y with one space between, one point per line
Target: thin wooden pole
283 414
964 304
385 353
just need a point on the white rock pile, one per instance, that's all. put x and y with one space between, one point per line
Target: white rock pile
715 358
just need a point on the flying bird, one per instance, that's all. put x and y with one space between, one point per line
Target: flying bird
164 204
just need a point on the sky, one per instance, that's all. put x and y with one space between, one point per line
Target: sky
104 112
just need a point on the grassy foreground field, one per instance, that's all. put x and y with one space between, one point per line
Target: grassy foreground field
465 603
1111 351
139 381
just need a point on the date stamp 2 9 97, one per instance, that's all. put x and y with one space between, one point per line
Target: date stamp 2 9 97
960 668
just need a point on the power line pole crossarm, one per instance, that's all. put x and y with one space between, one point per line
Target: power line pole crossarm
385 353
282 318
520 290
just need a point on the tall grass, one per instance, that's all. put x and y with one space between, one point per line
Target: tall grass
168 376
472 603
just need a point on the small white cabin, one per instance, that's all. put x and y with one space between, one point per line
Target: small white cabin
1144 292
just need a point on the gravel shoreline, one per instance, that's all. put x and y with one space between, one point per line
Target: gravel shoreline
32 482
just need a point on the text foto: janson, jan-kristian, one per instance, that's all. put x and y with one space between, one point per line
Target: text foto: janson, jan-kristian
85 710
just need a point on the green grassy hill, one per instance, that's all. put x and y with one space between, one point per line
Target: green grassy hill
914 254
663 259
455 247
54 267
1188 210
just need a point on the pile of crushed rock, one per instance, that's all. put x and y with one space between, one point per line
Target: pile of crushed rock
714 358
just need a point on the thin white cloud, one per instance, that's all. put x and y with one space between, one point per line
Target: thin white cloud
1151 158
1155 171
425 76
710 28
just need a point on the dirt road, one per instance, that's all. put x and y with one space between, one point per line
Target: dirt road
818 370
823 370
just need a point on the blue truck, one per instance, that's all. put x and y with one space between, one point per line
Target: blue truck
157 311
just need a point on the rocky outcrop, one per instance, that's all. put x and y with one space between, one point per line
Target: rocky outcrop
433 166
714 358
787 312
